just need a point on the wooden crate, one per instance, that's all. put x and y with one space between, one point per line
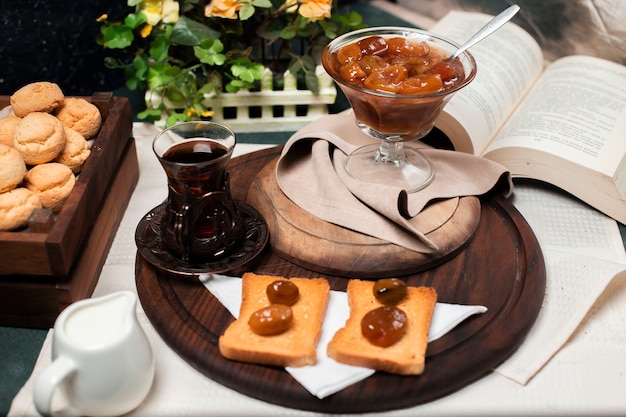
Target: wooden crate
42 273
54 253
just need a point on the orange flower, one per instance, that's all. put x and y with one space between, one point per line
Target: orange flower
315 9
146 31
223 8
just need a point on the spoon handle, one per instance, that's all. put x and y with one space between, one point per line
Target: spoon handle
493 25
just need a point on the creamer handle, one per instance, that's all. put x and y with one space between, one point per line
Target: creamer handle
48 382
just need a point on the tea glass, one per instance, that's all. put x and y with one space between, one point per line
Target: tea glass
201 221
396 120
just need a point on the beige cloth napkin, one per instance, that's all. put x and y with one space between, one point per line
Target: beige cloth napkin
327 376
311 173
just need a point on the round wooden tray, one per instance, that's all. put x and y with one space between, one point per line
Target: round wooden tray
502 268
315 244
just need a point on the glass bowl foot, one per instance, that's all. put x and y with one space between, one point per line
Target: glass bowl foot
406 168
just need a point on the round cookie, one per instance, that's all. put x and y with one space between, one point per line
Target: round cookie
75 152
7 129
52 183
80 115
39 137
12 168
16 206
42 96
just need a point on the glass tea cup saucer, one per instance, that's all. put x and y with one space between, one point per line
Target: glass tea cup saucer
152 248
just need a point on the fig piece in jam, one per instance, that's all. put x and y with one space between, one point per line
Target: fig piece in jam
283 292
271 320
401 66
384 326
389 291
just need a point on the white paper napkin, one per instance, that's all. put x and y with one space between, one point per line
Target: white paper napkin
327 376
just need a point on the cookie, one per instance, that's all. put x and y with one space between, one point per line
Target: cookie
52 183
16 206
40 96
7 129
75 152
12 168
80 115
39 137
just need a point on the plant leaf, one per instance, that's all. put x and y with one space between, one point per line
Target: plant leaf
295 66
175 117
330 28
117 36
191 33
151 114
311 81
308 63
209 52
159 48
289 32
246 12
175 95
134 20
262 3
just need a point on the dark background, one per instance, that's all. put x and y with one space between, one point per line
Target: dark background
55 40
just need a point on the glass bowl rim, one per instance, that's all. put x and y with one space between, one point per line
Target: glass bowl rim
398 30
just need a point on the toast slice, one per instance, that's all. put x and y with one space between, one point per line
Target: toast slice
405 357
294 347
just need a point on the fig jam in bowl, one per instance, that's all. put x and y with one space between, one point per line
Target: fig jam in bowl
397 81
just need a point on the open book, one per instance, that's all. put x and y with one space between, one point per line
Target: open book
563 122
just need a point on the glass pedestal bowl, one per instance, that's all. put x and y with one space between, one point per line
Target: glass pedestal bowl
397 81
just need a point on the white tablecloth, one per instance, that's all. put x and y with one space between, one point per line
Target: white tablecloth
586 375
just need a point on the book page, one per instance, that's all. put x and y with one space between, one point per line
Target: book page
577 111
508 62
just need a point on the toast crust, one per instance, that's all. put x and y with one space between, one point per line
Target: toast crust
405 357
295 347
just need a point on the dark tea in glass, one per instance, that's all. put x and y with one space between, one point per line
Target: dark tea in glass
201 222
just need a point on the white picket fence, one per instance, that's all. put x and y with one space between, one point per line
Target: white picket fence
267 110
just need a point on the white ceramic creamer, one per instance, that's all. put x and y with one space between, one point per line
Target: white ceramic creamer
102 362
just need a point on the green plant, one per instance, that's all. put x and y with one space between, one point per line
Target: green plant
188 48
